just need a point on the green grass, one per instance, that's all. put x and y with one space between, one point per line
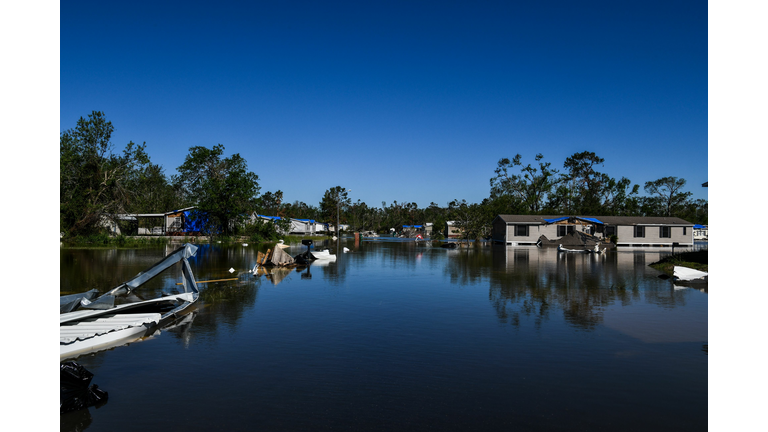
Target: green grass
106 240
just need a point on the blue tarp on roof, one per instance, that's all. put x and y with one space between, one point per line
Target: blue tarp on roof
593 220
412 226
697 226
269 217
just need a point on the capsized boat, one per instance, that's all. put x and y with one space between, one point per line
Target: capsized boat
88 324
324 254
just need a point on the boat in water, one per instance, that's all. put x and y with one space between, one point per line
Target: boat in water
324 254
596 249
88 323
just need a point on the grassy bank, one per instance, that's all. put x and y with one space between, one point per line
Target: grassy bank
696 260
108 241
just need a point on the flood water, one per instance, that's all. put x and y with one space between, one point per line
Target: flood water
396 336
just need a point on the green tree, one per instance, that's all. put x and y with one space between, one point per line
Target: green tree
668 193
620 197
695 211
223 189
334 200
470 218
530 187
152 191
93 181
270 204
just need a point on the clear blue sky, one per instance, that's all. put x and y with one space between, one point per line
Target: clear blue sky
407 101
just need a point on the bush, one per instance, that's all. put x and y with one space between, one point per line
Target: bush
261 232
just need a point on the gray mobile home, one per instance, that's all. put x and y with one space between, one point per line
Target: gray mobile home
629 230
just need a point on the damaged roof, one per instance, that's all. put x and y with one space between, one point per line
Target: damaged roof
607 220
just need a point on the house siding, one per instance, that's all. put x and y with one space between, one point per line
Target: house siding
626 236
534 232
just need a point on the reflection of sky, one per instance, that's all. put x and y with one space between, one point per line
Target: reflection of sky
653 324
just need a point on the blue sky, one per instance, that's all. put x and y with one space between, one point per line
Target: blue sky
407 101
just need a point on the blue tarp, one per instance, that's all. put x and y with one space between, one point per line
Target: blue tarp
412 226
697 226
593 220
196 225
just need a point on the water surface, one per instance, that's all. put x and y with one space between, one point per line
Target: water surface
396 336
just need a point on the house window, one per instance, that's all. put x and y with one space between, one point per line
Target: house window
564 230
639 231
685 230
665 232
521 230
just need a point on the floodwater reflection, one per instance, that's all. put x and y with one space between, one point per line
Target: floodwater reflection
406 336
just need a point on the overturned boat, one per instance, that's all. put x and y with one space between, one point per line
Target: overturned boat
595 250
88 323
324 254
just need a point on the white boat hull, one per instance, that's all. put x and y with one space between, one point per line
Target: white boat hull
686 274
323 255
103 333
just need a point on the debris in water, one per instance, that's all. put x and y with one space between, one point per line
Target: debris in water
75 391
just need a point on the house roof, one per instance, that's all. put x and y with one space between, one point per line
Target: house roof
179 210
608 220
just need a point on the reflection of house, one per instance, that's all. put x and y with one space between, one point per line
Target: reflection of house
700 232
629 230
453 231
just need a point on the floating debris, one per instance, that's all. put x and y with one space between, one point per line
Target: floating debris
686 274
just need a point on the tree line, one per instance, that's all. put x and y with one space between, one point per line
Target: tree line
96 183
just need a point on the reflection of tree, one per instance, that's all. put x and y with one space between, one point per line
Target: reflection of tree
531 282
103 269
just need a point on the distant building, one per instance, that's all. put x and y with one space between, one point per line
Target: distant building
175 222
414 230
629 230
701 232
453 231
